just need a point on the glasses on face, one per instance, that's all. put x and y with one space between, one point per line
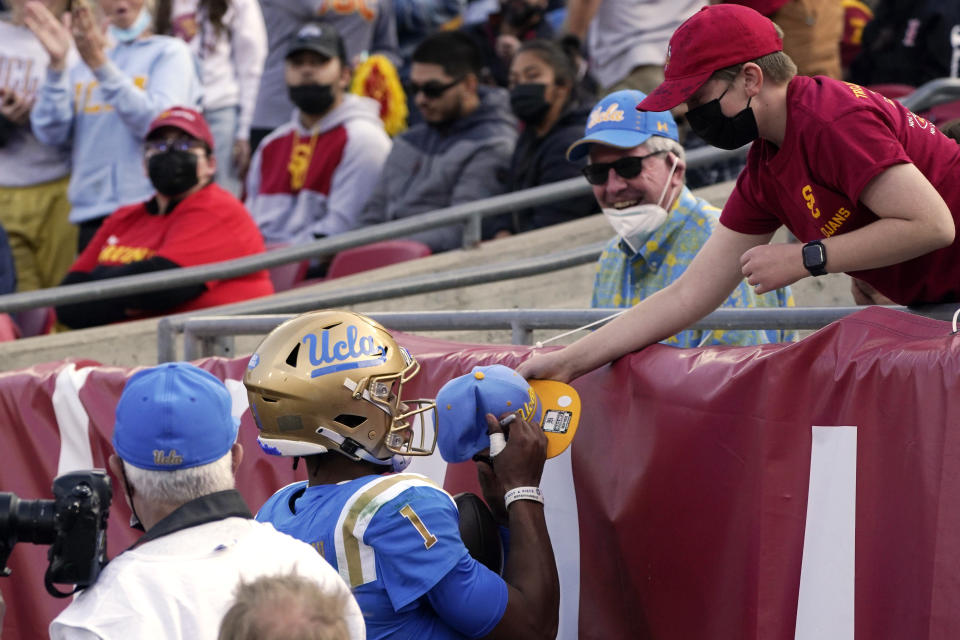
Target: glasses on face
152 147
596 173
433 88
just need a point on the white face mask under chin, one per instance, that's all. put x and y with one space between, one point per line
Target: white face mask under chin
635 224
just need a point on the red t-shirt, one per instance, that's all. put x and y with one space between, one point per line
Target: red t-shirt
208 226
839 136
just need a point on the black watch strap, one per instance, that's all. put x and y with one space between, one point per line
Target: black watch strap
815 258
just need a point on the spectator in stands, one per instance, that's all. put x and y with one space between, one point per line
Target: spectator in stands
229 39
367 27
311 177
415 577
867 185
102 108
544 97
909 42
460 152
175 458
637 169
189 221
285 607
33 176
500 36
812 32
626 39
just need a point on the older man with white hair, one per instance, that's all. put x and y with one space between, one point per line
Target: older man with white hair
176 456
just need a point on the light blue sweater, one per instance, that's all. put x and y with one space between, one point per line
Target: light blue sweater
104 116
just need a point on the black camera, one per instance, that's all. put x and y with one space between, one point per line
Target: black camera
74 524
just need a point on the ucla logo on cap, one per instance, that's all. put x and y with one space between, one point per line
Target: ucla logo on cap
613 113
352 353
160 457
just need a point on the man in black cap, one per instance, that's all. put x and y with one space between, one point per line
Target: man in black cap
311 177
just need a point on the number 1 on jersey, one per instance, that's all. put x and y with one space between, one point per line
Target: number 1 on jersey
428 538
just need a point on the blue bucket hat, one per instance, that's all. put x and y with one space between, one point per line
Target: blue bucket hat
464 402
174 416
616 122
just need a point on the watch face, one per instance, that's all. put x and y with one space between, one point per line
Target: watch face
813 256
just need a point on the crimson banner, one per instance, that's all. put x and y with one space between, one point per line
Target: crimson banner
809 490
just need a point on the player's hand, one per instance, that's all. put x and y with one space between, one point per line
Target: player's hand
772 266
546 366
520 464
492 489
52 34
15 107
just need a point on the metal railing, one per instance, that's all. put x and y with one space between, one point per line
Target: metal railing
469 214
213 335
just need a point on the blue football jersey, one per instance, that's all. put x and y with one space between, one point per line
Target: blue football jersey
392 538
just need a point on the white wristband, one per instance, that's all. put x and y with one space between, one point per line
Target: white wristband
522 493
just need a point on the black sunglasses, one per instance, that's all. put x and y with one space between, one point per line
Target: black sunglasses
433 88
627 168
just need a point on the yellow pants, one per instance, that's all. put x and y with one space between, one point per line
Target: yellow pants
43 241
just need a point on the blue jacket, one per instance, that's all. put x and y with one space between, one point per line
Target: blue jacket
104 116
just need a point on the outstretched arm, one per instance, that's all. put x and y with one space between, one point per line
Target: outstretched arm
712 275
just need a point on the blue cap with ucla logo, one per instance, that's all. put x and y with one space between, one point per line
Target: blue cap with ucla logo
615 122
464 402
174 416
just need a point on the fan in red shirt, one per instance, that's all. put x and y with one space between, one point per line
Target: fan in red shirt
865 183
190 221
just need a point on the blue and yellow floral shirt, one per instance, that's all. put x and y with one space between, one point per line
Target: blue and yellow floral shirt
625 278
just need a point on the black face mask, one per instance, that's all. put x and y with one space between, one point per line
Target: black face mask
314 99
721 131
173 172
529 103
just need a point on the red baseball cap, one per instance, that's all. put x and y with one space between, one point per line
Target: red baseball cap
716 37
187 120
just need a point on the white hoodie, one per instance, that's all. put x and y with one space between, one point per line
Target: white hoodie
349 147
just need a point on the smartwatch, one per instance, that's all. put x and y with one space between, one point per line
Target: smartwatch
815 258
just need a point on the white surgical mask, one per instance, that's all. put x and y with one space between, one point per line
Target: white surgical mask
635 224
135 30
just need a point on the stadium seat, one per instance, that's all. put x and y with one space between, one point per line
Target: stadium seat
35 322
287 276
374 256
8 328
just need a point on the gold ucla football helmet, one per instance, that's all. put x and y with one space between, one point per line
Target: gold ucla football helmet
333 381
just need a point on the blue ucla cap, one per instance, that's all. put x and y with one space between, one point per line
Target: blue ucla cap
464 402
174 416
616 122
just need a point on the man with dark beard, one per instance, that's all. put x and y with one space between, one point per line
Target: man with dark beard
460 153
311 177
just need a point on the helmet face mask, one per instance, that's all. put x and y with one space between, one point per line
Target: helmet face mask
333 381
